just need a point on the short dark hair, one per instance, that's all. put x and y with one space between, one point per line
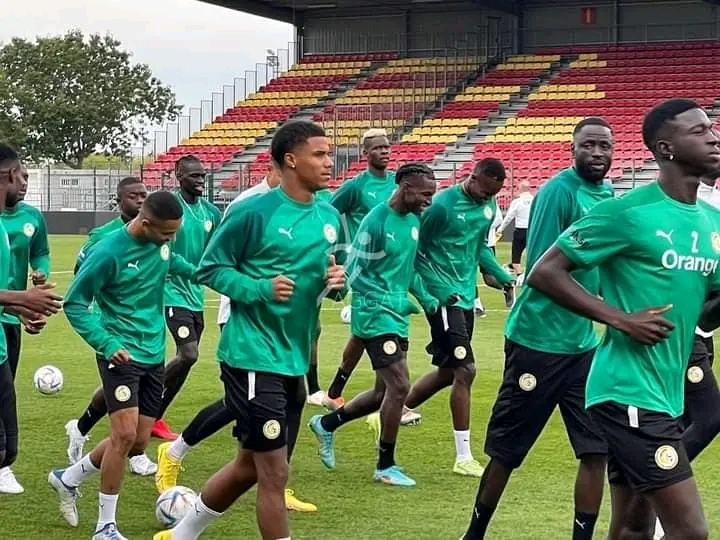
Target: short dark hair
127 181
591 121
659 115
413 169
8 155
491 167
290 136
188 158
163 205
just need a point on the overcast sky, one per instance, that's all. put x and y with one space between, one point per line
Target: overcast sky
192 46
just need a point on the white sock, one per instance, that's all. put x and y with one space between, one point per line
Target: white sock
462 446
106 513
195 523
179 448
78 473
659 532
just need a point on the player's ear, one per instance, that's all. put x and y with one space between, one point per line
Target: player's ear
664 149
290 160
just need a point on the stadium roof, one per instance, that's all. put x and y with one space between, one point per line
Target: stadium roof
292 10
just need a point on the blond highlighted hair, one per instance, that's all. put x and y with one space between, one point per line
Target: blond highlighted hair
372 133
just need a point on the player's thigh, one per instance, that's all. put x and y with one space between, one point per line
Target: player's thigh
182 325
120 384
151 390
258 402
631 514
584 435
680 509
645 447
526 399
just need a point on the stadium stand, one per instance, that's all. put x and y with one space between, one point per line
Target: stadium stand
468 108
619 83
304 85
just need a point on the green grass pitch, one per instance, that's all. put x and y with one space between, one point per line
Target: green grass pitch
537 503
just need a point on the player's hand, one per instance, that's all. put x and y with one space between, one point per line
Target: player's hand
38 278
42 300
35 325
120 358
282 288
335 277
453 299
647 326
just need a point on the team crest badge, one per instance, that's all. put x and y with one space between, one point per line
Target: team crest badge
389 347
460 352
666 457
164 252
271 429
715 240
527 382
330 233
122 393
29 229
414 233
488 212
208 225
183 332
695 374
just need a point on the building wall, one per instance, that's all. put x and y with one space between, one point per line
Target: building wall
428 30
548 23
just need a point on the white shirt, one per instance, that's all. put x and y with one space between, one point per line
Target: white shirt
711 195
492 234
519 211
259 189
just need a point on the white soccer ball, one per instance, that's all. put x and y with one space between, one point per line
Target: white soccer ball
172 505
345 314
48 380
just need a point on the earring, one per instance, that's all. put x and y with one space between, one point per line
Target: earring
671 157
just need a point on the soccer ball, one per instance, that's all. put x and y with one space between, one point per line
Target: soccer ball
345 314
48 380
172 505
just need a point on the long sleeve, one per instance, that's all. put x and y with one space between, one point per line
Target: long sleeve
510 216
179 266
418 289
487 260
40 249
236 236
90 279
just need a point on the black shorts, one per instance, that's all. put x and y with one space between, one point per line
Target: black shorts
260 403
186 326
534 383
646 451
385 350
709 347
701 387
132 385
13 337
451 330
519 242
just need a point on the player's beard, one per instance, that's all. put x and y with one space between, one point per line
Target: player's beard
591 175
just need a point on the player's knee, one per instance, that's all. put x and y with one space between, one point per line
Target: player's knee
189 354
465 374
629 534
123 438
274 476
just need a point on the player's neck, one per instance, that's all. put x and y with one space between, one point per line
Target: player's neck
295 191
188 197
399 206
380 173
682 188
134 229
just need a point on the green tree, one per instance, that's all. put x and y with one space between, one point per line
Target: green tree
64 98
